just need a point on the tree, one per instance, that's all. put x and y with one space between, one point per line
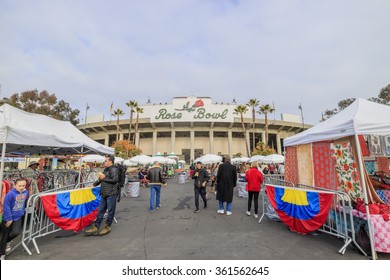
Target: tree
341 106
383 96
139 110
265 110
43 103
253 103
123 146
131 104
117 113
263 150
241 110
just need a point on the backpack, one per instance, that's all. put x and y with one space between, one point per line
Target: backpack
121 175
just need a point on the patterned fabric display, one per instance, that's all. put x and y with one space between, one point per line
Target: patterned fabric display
383 164
386 145
291 165
370 166
375 145
346 169
324 169
382 195
305 164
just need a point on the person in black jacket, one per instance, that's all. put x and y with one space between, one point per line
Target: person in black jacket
226 181
201 177
109 189
156 180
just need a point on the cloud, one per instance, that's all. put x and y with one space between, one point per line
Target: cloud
285 52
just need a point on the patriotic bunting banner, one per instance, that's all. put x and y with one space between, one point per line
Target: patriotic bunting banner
302 211
72 210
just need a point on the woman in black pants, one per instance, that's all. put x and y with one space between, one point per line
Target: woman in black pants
254 178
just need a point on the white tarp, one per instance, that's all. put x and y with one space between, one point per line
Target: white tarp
39 134
361 117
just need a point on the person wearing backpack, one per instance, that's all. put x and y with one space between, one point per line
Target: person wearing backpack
109 186
122 179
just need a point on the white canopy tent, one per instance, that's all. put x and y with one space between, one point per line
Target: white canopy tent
274 158
257 158
28 133
92 158
362 117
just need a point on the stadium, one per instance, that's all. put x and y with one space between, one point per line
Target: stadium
192 126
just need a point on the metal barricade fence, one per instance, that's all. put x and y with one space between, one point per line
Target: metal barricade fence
36 223
273 179
339 222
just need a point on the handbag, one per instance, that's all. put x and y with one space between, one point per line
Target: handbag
362 238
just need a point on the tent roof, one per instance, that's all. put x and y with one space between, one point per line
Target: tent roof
38 134
361 117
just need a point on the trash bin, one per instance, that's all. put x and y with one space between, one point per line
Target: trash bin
182 178
133 189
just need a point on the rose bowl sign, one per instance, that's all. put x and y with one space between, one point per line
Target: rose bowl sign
192 109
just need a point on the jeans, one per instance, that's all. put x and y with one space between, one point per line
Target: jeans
155 191
255 196
229 206
9 233
202 193
108 203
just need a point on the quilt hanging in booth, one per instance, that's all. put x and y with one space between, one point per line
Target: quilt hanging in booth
291 165
324 169
386 145
374 143
346 169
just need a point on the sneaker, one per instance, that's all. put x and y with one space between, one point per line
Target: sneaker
8 247
248 213
220 211
105 230
157 208
93 230
196 211
151 211
256 216
205 206
228 213
2 257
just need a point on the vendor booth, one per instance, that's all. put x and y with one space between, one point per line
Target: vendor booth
333 155
27 133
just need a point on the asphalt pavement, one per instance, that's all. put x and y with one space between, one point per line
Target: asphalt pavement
175 232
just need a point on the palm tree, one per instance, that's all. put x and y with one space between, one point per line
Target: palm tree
132 104
241 110
253 103
139 110
117 113
265 109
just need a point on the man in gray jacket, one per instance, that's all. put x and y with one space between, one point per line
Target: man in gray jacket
156 180
109 189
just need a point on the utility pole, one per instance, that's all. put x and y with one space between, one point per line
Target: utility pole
300 108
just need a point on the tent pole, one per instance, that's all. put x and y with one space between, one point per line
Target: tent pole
370 231
2 167
3 160
80 165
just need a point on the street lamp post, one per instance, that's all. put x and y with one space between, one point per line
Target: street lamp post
86 114
300 108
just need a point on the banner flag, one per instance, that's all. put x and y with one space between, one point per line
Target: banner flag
303 211
74 209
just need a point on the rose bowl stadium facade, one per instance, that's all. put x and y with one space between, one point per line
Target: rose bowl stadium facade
192 126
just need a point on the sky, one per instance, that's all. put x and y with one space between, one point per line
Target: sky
313 53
